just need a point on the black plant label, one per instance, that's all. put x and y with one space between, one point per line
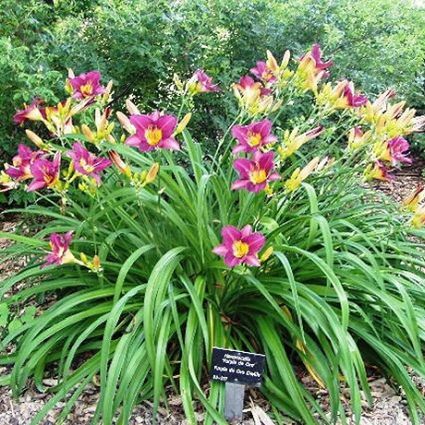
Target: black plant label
237 366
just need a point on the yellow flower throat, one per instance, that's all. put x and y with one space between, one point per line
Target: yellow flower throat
254 139
240 249
258 176
153 135
86 89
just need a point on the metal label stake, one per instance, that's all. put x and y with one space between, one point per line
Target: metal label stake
237 369
234 396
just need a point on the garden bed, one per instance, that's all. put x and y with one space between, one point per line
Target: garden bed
144 247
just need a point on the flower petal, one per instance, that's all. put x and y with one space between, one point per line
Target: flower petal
170 143
167 123
141 122
243 167
240 184
231 261
36 185
230 234
239 132
252 260
246 231
255 241
263 127
220 250
133 140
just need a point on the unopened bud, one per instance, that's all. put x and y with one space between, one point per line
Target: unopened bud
35 139
87 132
183 123
131 107
119 163
125 123
271 62
152 173
178 82
266 254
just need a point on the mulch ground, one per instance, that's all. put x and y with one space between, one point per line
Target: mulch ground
389 407
406 180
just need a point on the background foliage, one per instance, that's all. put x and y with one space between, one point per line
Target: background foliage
140 44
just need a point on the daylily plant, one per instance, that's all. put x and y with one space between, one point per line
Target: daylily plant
310 267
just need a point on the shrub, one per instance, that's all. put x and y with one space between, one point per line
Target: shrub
318 271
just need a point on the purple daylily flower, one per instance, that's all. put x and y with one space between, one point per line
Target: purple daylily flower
247 84
263 72
354 99
60 253
240 246
153 131
202 83
316 55
86 85
21 168
398 148
253 136
255 173
45 173
32 112
87 163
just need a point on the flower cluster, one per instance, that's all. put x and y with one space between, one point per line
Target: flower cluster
44 168
256 96
312 69
258 170
264 158
384 141
341 96
68 156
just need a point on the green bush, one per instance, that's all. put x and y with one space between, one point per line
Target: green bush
141 294
140 45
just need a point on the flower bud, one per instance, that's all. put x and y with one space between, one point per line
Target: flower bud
125 123
87 132
119 163
131 107
266 254
152 173
183 123
35 139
